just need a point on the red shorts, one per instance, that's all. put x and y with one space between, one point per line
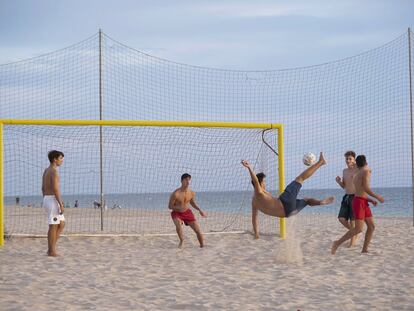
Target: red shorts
186 216
361 208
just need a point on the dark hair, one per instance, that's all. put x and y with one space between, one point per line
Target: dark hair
361 161
260 177
54 154
350 153
184 176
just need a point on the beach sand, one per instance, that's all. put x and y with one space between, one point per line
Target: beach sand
233 271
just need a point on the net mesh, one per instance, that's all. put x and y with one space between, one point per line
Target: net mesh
142 166
359 103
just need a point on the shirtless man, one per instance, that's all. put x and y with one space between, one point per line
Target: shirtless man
346 215
52 201
287 204
360 206
181 212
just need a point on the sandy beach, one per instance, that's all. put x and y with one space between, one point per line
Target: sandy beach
233 271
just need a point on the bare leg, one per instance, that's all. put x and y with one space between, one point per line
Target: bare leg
179 228
368 235
60 229
359 225
316 202
311 170
51 240
349 224
355 237
345 223
195 226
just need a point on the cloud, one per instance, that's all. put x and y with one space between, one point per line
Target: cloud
316 9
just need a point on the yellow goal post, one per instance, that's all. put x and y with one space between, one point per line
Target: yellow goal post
140 123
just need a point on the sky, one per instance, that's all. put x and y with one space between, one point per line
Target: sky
243 35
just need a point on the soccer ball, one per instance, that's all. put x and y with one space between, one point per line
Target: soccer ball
309 159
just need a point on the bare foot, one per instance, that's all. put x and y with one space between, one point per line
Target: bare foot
322 160
334 247
364 251
201 245
327 200
52 254
180 245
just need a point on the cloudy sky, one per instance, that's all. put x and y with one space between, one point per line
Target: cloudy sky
225 34
242 35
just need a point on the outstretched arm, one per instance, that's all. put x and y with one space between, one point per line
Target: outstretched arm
256 184
372 201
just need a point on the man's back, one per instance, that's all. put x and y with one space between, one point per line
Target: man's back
361 179
267 204
48 180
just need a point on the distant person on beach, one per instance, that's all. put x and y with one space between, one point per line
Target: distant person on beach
76 204
346 215
287 204
360 206
181 213
52 200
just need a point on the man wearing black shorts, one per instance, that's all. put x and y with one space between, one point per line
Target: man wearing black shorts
346 215
287 204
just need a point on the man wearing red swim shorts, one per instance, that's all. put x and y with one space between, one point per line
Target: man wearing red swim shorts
181 212
362 212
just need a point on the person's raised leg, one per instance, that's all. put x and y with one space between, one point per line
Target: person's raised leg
179 228
316 202
359 225
368 235
196 227
311 170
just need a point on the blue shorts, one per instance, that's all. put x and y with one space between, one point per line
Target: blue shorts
291 204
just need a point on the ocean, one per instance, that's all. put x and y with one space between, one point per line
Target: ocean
398 201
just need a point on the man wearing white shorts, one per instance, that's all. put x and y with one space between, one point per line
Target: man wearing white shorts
52 200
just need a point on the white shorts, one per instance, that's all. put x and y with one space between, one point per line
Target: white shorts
52 209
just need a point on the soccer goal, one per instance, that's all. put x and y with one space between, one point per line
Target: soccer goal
117 176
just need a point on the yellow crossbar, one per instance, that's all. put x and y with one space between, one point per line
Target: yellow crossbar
3 122
140 123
